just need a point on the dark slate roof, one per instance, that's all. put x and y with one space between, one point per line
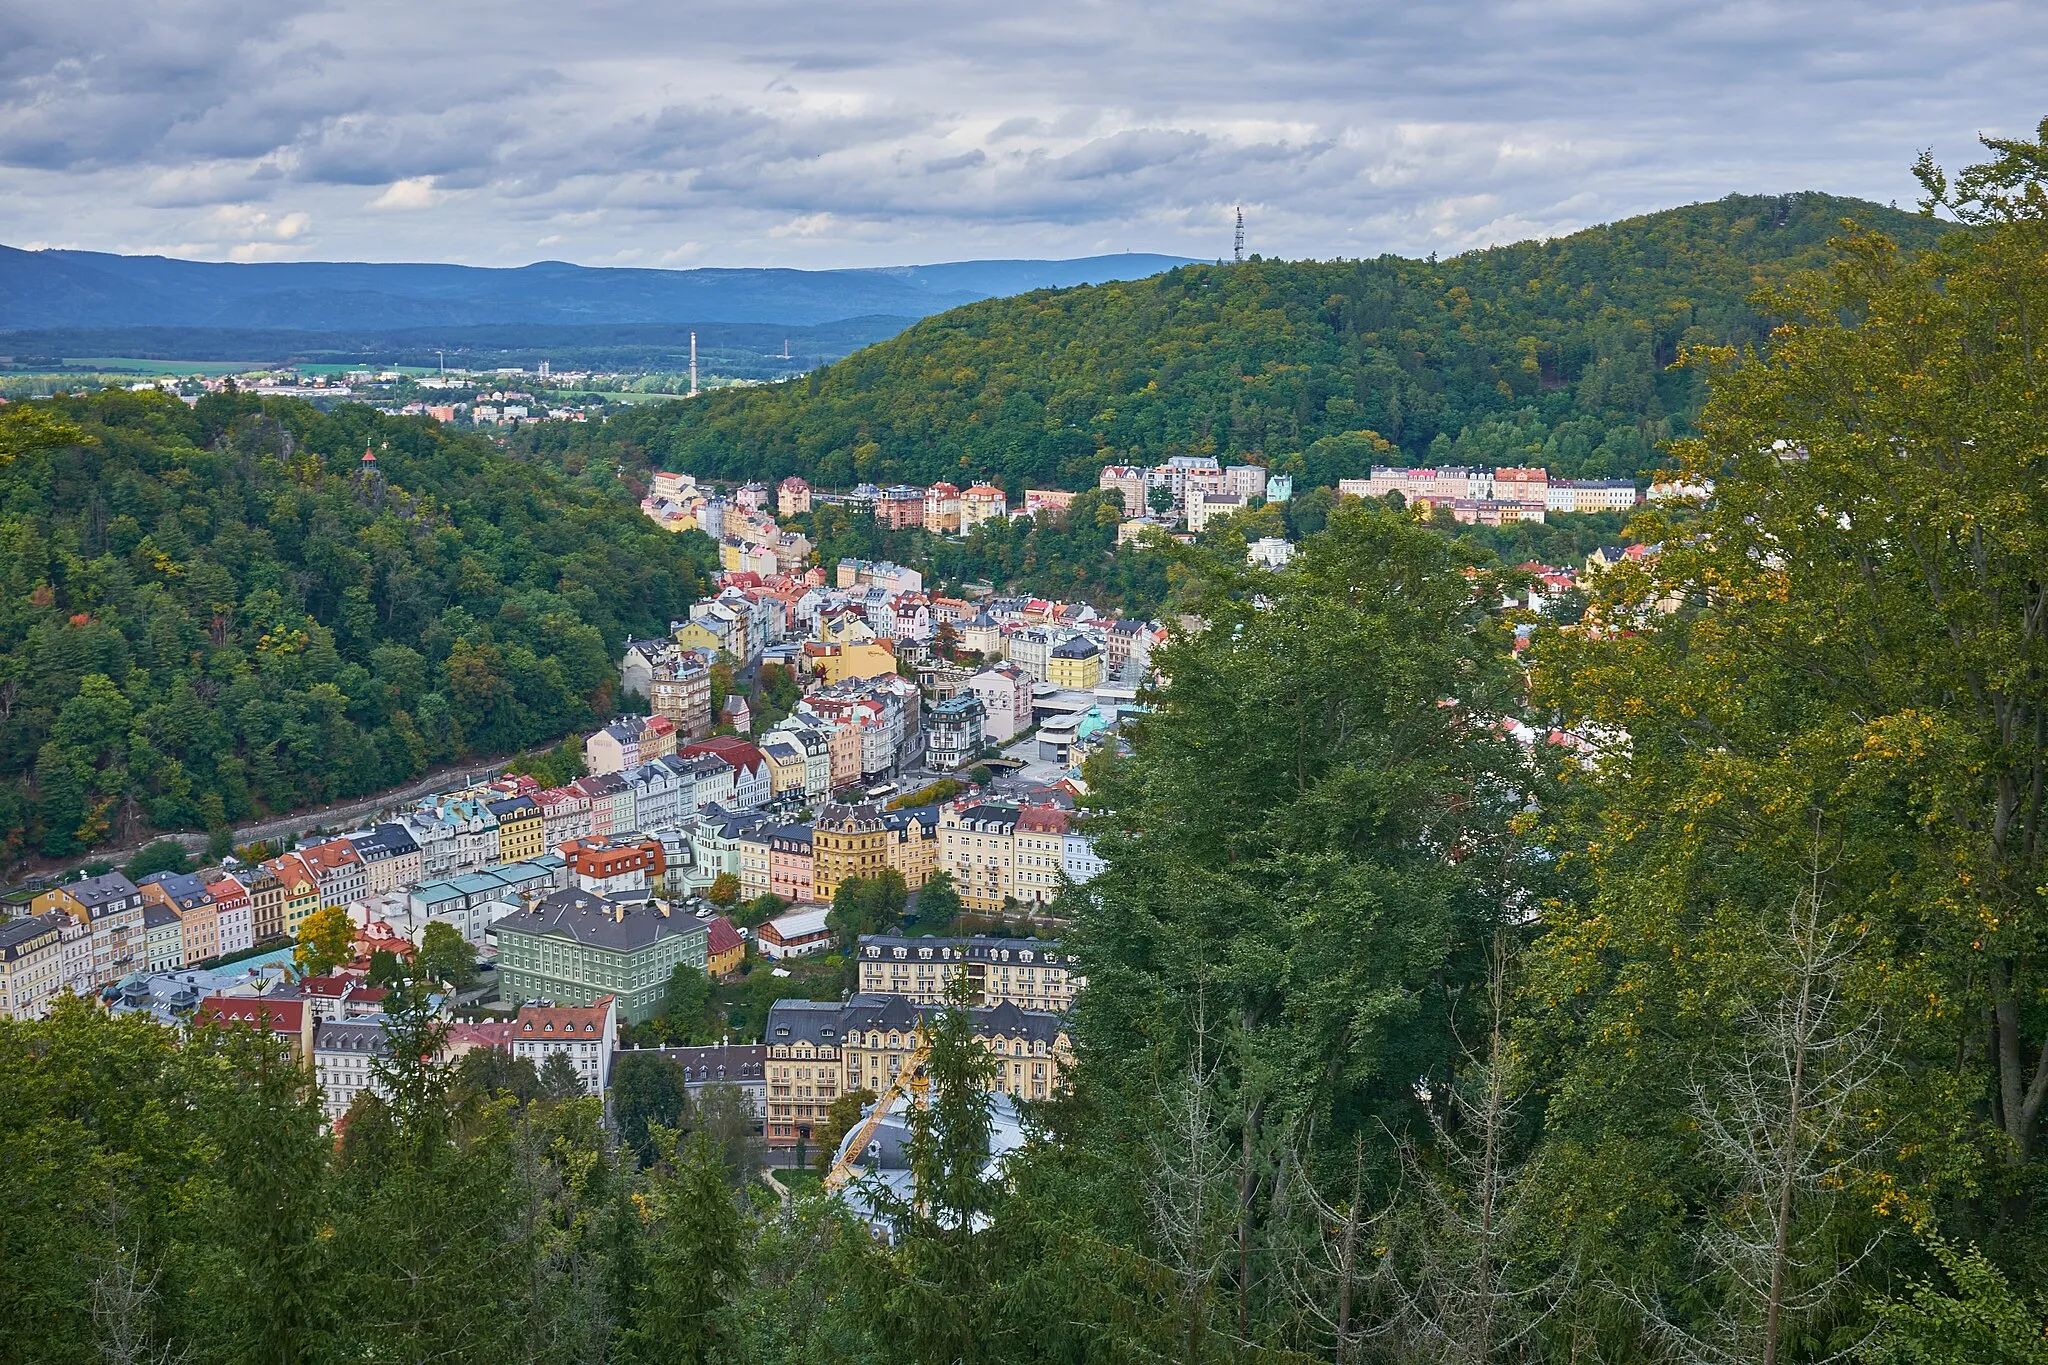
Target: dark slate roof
365 1036
979 948
95 892
613 923
804 1021
517 806
1080 647
735 1063
386 841
15 932
184 888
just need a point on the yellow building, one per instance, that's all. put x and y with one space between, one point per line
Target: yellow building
859 659
1076 664
847 842
913 844
301 893
696 635
785 766
31 960
977 844
521 834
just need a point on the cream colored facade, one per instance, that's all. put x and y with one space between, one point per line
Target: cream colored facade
847 842
977 844
1032 974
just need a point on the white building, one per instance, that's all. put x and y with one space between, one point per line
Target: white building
345 1052
586 1034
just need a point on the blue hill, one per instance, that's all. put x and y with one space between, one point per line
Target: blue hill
80 289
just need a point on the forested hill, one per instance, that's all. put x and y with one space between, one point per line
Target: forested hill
1553 352
210 613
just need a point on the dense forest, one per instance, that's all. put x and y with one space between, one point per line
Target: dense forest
1552 352
213 612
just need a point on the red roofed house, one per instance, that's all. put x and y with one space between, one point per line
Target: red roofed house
724 949
585 1034
341 997
290 1020
466 1038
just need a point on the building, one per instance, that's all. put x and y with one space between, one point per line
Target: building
337 870
391 858
743 1065
522 829
266 902
736 714
1591 495
615 747
299 894
796 934
1038 850
792 497
234 916
983 502
1075 664
1279 487
604 868
1246 481
575 946
847 843
756 859
724 949
1032 974
1082 861
31 963
164 933
790 863
752 777
1129 482
1205 508
942 508
585 1034
805 1071
954 735
340 997
680 691
286 1018
186 896
900 507
913 848
564 815
108 908
1005 695
977 845
345 1057
819 1050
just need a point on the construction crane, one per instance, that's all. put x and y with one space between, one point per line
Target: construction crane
910 1080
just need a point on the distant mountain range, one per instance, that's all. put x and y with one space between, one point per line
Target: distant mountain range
89 289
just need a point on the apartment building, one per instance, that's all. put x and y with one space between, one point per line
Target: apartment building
586 1035
31 963
847 843
790 863
345 1057
108 908
187 897
1032 974
977 845
575 947
391 858
1039 853
338 870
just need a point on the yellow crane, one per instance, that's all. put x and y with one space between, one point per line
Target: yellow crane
910 1080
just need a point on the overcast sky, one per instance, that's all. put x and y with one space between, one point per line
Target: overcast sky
872 133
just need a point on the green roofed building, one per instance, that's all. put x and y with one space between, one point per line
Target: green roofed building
576 946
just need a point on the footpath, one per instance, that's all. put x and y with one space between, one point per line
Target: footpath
275 827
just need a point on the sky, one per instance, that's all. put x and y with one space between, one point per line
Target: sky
879 132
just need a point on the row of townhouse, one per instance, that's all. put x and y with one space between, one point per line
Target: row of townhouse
1494 496
1000 853
820 1050
1183 481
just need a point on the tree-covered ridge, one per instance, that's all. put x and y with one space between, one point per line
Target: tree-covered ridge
1543 351
208 613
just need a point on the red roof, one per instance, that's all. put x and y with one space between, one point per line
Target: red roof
720 937
538 1023
731 748
1042 820
280 1016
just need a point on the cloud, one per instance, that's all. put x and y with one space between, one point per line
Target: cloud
873 133
414 192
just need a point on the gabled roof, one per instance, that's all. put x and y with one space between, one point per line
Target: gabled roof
564 1023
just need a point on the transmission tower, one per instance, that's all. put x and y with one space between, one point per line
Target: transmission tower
1239 248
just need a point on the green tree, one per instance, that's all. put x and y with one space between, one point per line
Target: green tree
164 855
868 905
938 904
446 956
696 1262
558 1078
649 1091
725 890
326 939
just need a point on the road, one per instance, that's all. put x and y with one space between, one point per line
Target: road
345 812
